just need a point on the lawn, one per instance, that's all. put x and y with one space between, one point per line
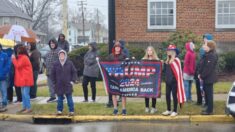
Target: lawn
220 87
132 109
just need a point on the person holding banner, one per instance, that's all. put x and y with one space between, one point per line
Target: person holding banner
117 55
150 54
174 81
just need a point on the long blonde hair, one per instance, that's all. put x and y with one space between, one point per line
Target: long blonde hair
146 56
171 54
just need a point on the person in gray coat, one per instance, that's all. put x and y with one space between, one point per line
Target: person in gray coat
91 71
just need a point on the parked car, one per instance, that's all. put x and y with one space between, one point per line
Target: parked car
43 52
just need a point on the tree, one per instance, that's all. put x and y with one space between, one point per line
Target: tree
39 10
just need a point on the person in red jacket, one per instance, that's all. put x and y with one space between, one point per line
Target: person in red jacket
23 76
189 69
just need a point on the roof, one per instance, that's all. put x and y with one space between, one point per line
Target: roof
7 9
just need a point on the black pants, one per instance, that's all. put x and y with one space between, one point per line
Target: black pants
154 100
85 82
208 89
33 89
10 93
171 88
199 92
18 94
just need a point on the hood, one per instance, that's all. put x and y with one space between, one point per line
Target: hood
93 45
116 45
208 36
201 52
61 35
189 46
123 43
54 41
63 51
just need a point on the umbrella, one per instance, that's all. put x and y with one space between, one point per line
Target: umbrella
7 42
17 33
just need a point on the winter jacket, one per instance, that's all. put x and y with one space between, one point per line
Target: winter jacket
91 68
50 58
207 69
23 71
63 76
35 59
189 60
64 45
5 65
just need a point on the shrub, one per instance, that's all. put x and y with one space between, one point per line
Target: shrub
230 61
77 55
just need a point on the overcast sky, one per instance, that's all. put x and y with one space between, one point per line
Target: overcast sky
102 5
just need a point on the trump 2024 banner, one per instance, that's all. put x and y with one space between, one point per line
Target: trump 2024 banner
132 78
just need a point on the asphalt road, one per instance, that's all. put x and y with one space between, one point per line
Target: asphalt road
132 126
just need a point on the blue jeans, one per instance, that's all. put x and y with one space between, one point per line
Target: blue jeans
69 102
3 88
187 88
25 97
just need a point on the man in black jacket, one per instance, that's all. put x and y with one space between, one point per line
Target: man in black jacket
207 74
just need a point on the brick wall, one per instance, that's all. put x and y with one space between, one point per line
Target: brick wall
195 15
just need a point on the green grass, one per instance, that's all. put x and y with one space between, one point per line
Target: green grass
220 87
132 109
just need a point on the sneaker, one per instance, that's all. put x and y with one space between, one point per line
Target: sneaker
27 111
59 113
115 111
51 99
109 105
3 109
147 110
20 111
17 102
33 99
85 101
71 113
124 112
153 110
174 114
93 101
166 113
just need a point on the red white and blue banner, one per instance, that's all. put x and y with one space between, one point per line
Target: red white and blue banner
132 78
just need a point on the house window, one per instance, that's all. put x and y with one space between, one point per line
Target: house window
225 14
161 14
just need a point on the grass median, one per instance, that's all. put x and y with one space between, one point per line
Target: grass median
137 108
220 87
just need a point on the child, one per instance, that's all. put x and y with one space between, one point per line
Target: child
174 80
150 54
63 75
117 55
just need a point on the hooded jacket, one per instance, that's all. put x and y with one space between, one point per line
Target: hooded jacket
189 60
91 68
63 75
35 57
116 57
63 44
23 71
51 57
5 65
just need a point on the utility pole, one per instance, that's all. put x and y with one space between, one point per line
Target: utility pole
98 26
112 24
65 18
82 4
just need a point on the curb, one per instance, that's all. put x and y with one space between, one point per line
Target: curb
93 118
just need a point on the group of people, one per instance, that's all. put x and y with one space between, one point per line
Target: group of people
20 68
178 80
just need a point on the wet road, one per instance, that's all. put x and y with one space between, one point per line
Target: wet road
119 127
